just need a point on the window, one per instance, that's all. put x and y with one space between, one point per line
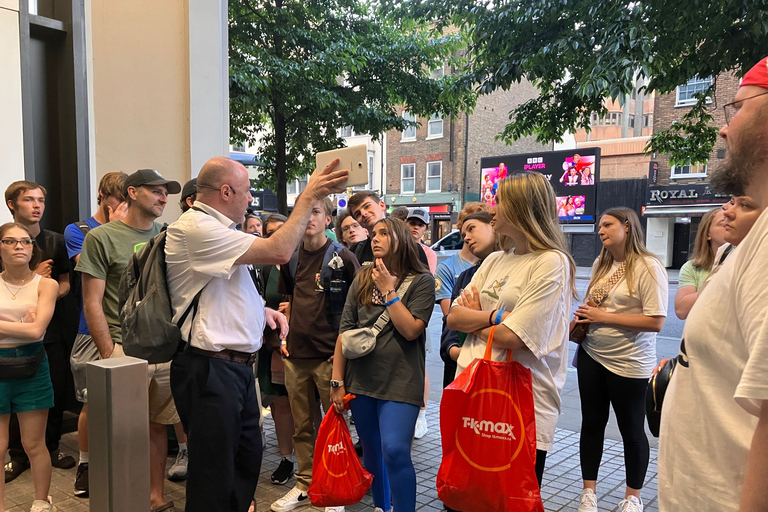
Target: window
410 132
303 183
435 127
647 120
689 171
434 176
370 170
346 131
612 118
631 120
686 94
291 187
238 147
407 178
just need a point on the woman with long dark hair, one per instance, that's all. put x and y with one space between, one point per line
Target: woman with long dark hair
26 307
389 380
619 352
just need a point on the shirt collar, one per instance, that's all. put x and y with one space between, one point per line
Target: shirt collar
213 212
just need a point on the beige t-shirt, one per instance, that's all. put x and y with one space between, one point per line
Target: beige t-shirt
626 353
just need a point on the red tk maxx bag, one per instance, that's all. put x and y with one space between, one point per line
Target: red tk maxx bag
489 439
338 478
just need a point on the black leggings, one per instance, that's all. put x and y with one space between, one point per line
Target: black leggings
599 388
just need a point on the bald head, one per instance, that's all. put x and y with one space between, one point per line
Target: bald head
216 172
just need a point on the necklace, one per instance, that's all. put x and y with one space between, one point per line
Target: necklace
14 294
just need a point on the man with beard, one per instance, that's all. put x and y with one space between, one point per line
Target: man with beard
714 429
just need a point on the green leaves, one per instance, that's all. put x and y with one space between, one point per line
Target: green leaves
301 70
601 47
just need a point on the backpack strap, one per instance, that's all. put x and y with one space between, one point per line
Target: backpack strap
83 227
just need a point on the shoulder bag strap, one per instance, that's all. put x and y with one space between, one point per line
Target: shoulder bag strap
384 318
599 294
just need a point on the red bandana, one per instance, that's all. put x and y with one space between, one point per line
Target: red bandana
758 75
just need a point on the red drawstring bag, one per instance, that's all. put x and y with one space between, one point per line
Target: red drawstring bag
488 431
338 478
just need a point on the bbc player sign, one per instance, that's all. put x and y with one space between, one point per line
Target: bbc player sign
573 174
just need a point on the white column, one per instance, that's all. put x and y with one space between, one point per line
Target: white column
659 237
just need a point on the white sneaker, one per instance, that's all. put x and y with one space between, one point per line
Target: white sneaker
178 471
588 501
295 498
421 427
631 504
43 506
334 509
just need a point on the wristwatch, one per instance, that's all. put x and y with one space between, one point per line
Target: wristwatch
336 383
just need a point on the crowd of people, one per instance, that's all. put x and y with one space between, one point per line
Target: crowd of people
261 303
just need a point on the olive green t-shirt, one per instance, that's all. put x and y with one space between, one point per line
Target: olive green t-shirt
107 250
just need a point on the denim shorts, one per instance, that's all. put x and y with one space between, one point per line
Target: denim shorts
22 395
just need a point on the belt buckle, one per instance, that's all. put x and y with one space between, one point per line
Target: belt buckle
251 359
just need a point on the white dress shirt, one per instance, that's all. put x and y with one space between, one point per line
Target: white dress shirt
201 251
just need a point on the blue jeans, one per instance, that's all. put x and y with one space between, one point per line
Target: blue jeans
386 430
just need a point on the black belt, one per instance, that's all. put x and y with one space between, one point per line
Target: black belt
227 355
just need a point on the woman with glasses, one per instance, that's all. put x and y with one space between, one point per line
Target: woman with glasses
26 306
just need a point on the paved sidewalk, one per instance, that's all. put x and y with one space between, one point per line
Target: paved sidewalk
560 488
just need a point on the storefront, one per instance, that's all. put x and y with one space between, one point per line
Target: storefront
443 212
674 213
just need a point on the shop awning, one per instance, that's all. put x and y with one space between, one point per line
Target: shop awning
678 209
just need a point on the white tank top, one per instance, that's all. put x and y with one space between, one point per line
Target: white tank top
13 310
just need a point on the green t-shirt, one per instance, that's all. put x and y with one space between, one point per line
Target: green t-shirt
107 250
692 276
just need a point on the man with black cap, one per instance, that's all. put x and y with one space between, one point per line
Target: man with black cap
107 250
713 452
188 195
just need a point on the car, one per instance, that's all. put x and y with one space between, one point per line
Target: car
449 245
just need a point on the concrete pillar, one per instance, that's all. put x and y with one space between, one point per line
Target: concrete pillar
118 435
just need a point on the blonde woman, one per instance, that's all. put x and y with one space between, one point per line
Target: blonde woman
709 238
619 352
526 289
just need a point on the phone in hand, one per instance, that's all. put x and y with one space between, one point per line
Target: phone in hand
354 158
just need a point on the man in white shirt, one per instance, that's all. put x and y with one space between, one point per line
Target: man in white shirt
714 428
212 379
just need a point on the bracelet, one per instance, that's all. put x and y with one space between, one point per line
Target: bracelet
390 291
490 317
498 317
390 302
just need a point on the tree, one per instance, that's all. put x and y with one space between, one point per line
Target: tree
577 52
300 70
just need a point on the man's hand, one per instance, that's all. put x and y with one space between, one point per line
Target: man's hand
324 182
118 213
275 319
44 268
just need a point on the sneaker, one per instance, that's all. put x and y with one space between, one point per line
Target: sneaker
62 460
295 498
14 468
421 427
631 504
283 473
81 480
588 501
334 509
43 506
178 471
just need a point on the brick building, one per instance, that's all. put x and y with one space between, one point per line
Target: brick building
679 196
437 164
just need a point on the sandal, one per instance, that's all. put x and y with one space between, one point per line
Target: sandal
168 507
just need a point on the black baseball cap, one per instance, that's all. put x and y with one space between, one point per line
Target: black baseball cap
190 188
150 177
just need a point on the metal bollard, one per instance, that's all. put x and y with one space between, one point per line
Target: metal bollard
118 435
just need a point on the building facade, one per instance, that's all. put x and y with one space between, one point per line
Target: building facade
678 196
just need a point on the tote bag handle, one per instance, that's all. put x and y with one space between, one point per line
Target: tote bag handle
489 347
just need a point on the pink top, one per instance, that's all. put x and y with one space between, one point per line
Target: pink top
13 309
431 258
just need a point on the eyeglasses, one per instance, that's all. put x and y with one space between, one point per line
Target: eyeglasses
218 188
12 242
346 228
730 109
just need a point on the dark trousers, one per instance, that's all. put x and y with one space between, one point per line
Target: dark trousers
599 389
541 459
58 360
219 409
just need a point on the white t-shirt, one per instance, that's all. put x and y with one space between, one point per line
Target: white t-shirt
201 250
626 353
712 403
535 288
